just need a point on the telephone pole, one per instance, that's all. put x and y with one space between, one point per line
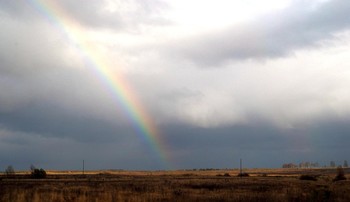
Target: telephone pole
83 167
240 167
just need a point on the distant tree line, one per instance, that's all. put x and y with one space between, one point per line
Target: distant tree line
34 172
308 164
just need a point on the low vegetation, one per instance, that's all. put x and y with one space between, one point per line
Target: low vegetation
340 174
211 185
308 177
243 175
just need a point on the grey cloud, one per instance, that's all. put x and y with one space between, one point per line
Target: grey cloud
26 48
121 16
111 15
16 10
181 93
298 90
271 36
92 13
173 103
39 65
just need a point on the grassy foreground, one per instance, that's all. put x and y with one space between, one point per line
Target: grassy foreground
212 185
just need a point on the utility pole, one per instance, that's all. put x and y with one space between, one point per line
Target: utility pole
240 167
83 167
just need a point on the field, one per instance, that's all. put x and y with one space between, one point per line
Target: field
189 185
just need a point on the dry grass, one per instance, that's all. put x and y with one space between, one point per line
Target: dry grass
208 185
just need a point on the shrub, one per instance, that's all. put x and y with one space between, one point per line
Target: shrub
38 173
227 175
340 174
243 175
308 177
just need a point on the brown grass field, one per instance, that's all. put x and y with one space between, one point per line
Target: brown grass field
196 185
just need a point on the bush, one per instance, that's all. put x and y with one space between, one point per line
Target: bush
38 173
227 175
308 177
243 175
340 174
264 175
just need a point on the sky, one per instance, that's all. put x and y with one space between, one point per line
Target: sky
173 84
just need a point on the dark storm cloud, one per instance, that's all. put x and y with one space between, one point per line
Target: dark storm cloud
299 26
50 120
260 145
25 141
21 149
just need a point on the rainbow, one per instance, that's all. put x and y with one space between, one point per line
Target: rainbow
122 93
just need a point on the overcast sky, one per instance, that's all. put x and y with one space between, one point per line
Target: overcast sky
266 81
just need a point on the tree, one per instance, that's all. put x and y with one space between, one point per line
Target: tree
10 170
345 165
38 173
332 164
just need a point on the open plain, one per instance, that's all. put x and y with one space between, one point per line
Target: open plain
184 185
